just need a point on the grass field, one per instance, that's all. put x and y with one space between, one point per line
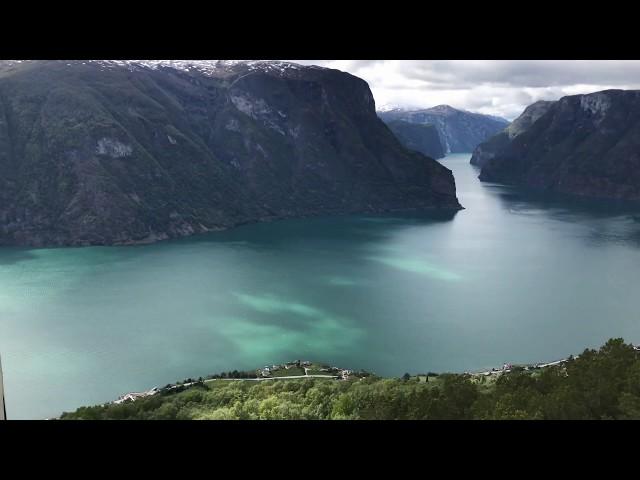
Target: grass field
221 382
291 372
319 372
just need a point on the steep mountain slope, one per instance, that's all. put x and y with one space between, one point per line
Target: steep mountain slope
418 137
100 152
488 149
460 131
585 145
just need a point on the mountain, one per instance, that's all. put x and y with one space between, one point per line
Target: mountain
460 131
487 150
121 152
584 145
418 137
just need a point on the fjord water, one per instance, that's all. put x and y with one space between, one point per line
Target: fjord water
514 277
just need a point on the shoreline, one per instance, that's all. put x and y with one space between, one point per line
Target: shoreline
506 368
162 237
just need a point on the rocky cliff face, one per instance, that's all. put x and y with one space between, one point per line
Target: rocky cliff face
460 131
488 149
585 145
127 152
418 137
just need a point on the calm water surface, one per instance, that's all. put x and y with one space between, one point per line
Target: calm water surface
513 278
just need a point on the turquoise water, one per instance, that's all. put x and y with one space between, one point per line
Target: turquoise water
513 278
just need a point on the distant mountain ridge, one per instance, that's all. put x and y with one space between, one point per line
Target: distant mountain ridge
460 131
488 149
121 152
584 145
418 137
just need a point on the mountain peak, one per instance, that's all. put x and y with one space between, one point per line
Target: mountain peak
444 109
459 130
582 145
389 107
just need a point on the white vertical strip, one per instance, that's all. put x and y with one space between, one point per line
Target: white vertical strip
3 413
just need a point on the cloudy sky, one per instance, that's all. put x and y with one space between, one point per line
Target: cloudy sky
495 87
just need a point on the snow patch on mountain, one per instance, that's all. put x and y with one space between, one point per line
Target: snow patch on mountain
113 148
389 107
207 67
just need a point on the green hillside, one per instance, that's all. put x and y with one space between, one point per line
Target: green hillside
598 384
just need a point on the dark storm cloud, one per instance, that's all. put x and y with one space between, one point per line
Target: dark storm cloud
523 73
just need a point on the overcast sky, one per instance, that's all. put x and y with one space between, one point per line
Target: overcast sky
495 87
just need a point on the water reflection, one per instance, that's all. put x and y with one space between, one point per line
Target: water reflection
11 256
605 221
514 197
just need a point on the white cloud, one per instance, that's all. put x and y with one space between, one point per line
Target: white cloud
495 87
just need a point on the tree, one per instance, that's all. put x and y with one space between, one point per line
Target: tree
599 384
